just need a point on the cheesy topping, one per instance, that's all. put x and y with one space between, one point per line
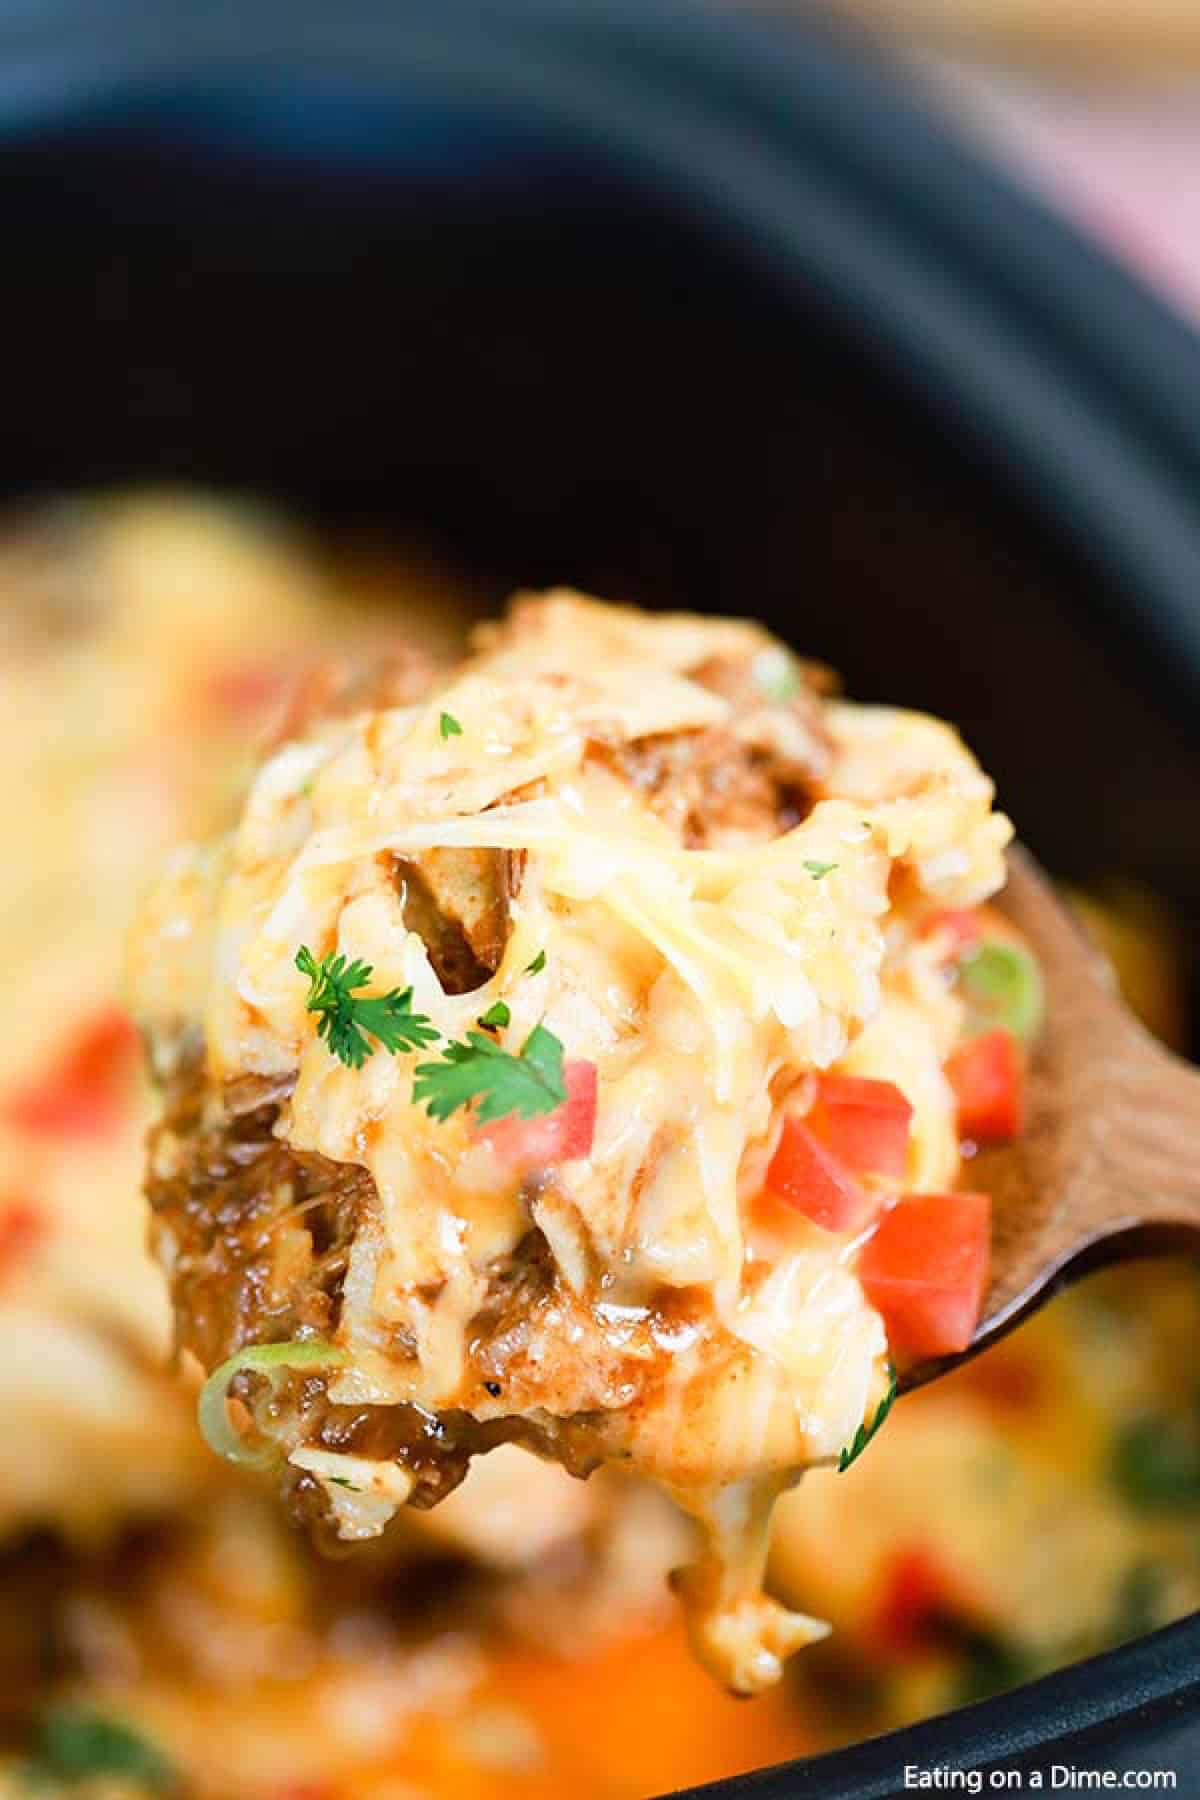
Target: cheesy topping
719 1345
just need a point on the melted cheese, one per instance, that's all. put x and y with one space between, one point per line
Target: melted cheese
704 985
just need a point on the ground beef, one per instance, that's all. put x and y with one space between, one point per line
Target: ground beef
37 1575
755 775
457 901
254 1235
702 787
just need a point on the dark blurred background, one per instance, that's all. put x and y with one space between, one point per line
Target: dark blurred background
1097 102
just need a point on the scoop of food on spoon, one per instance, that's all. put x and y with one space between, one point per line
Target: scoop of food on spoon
1106 1167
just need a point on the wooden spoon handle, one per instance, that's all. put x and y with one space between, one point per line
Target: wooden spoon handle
1109 1165
1128 1109
1145 1136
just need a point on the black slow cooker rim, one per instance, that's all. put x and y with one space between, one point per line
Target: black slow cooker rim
1115 1710
806 154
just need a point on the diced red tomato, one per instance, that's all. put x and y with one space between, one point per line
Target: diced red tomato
806 1175
987 1074
22 1225
865 1123
1011 1378
579 1127
918 1596
83 1095
961 927
565 1135
247 691
925 1270
308 692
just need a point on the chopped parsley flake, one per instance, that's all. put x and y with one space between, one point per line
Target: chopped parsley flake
349 1021
495 1016
497 1082
865 1432
537 965
817 869
449 726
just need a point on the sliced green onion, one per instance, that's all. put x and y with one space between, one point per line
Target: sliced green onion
1004 987
777 673
261 1359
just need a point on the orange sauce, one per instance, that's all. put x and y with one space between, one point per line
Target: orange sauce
639 1717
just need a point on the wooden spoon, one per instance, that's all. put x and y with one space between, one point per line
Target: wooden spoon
1108 1166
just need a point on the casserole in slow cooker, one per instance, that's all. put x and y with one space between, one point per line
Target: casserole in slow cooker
963 475
149 1589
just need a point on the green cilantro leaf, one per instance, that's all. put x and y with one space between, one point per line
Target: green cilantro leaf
497 1081
348 1021
817 869
449 726
495 1016
537 965
75 1744
865 1432
991 1663
1154 1464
